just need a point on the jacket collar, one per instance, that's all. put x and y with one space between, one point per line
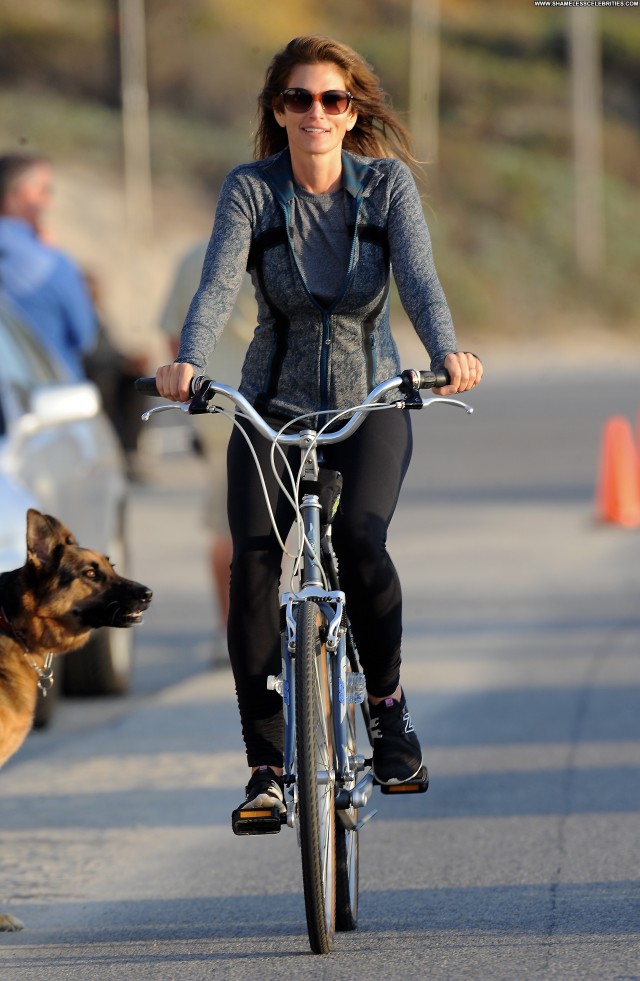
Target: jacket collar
358 175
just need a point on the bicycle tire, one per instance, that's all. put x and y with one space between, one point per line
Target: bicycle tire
315 768
347 852
347 840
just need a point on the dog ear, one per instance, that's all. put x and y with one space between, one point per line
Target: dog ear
44 533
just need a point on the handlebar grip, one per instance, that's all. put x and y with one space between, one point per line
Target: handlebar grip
146 386
434 379
412 380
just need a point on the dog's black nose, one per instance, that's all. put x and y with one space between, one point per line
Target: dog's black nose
144 594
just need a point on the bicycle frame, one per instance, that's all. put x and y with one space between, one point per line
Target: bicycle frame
332 607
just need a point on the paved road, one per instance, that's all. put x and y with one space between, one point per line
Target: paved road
522 668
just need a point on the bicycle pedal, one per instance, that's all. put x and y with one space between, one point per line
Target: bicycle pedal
257 821
417 785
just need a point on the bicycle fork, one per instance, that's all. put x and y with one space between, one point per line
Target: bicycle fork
348 687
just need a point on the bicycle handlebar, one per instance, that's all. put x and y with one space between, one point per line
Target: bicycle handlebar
408 383
411 379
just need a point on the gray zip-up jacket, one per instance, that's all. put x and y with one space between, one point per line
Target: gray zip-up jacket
305 357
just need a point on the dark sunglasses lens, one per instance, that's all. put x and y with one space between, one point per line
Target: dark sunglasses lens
297 100
335 102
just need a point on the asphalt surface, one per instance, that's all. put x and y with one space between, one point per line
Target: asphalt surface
521 666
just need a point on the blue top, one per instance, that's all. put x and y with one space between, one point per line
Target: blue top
48 290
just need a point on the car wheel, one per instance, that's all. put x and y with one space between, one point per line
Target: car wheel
104 666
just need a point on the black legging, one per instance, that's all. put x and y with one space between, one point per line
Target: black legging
373 462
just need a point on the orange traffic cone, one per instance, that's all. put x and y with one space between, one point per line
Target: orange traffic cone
618 492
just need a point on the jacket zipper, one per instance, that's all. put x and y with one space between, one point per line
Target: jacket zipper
374 362
327 338
327 334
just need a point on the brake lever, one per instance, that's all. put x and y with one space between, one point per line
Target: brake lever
181 406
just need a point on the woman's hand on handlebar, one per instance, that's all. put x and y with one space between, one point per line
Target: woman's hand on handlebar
465 371
173 381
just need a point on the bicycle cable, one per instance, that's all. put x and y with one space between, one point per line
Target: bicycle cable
335 416
292 492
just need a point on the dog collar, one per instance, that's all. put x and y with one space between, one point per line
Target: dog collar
5 626
45 673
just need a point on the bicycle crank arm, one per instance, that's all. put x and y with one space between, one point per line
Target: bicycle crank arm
358 796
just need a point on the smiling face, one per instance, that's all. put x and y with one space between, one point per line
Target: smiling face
316 132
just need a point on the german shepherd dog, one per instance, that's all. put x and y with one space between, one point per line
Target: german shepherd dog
48 607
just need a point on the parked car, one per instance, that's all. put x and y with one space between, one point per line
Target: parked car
59 453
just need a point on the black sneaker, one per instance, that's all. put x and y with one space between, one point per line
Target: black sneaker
397 756
263 791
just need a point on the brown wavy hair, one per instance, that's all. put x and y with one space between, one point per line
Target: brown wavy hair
377 132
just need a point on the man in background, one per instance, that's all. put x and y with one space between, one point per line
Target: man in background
44 285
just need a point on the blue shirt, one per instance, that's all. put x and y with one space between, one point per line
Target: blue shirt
48 290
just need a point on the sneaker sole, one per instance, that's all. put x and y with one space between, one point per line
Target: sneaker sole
264 801
393 781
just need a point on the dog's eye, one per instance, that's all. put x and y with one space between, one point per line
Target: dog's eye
90 573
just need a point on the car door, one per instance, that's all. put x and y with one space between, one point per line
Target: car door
57 442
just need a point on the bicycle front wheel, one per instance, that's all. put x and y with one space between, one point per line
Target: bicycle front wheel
315 777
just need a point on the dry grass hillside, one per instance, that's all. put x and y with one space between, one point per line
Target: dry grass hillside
499 203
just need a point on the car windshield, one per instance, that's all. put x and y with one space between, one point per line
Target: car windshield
23 364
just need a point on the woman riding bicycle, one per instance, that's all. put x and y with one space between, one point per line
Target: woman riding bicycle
320 218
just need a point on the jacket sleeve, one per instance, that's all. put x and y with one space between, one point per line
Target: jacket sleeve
223 270
414 270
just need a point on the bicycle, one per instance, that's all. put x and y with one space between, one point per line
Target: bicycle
328 782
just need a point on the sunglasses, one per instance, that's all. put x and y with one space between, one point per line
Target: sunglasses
334 102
